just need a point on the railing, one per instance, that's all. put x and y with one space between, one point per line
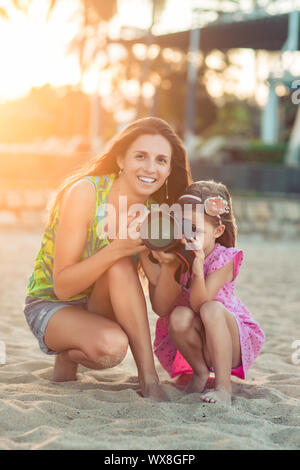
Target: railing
255 178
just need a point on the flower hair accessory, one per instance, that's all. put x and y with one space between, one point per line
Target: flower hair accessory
216 205
213 205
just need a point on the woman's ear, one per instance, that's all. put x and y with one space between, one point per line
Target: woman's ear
120 162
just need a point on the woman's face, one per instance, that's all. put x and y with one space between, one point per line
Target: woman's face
146 164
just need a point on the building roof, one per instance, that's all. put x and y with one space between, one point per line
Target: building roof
269 33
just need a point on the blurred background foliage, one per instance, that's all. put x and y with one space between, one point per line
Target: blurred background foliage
66 111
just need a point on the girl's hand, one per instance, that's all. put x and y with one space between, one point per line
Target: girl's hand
196 244
165 258
198 263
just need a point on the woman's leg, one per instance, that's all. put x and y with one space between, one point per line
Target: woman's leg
84 338
117 313
186 332
223 347
119 295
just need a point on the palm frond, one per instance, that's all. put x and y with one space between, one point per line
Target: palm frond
105 10
22 5
52 4
158 8
3 14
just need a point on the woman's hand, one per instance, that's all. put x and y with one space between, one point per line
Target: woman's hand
133 243
128 247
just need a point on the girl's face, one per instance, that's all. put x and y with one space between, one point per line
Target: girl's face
146 164
207 233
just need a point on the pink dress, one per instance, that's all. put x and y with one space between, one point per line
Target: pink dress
252 337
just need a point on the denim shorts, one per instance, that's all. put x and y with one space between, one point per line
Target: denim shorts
39 311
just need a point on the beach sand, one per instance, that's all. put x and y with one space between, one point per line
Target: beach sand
103 409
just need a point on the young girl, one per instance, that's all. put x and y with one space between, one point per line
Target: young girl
78 304
205 327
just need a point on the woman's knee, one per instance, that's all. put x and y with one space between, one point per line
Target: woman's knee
181 320
120 267
111 346
211 312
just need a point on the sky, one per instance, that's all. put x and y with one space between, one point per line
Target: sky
33 51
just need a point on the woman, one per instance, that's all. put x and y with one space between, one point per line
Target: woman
85 303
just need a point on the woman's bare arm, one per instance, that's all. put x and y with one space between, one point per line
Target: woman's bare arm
70 275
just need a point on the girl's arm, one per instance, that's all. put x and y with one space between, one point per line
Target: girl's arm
151 270
165 290
203 290
70 275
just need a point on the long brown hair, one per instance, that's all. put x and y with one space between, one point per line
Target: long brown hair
204 189
106 163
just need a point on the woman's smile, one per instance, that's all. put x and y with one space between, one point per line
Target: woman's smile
146 164
147 180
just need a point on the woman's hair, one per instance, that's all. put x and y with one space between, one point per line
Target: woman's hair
106 163
204 189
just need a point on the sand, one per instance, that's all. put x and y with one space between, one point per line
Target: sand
103 410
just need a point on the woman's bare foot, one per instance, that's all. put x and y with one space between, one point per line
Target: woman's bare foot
218 395
64 369
154 391
198 382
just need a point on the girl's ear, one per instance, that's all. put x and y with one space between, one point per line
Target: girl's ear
219 231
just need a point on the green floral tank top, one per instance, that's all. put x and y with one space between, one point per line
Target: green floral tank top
41 281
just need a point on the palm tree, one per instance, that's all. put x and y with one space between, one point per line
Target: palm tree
94 17
100 12
92 14
3 13
18 5
158 7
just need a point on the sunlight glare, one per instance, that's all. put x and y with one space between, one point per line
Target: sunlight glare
33 52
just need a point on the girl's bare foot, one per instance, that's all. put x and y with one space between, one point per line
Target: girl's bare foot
183 380
198 382
64 369
218 395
